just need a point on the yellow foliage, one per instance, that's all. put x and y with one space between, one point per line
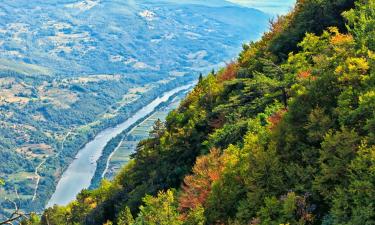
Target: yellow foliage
367 96
354 68
342 39
371 54
358 65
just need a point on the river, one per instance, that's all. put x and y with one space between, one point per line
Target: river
80 172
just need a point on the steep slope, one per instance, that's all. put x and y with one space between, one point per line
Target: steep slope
274 138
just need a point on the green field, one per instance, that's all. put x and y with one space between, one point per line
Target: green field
121 156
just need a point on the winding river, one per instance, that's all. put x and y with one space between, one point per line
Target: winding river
80 172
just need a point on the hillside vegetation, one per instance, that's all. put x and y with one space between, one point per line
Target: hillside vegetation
283 135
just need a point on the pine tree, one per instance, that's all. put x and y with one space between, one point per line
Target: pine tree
338 150
200 79
125 217
354 204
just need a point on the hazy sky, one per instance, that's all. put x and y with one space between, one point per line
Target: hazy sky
269 6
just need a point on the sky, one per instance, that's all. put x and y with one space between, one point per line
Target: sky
269 6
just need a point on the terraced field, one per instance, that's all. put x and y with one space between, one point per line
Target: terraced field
121 156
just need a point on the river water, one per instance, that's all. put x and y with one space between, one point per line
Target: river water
80 172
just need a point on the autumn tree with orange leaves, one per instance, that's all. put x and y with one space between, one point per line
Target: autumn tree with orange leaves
197 186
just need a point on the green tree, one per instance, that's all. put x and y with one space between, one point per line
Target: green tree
200 79
289 209
195 217
355 203
318 125
361 23
32 220
56 215
160 210
125 217
338 150
251 174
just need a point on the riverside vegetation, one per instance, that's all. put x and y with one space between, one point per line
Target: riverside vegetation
283 135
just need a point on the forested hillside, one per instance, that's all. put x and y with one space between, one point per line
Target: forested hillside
283 135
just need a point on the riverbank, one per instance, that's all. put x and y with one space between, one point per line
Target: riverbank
80 172
35 195
114 144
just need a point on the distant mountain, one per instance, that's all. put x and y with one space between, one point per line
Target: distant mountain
211 3
270 6
96 36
